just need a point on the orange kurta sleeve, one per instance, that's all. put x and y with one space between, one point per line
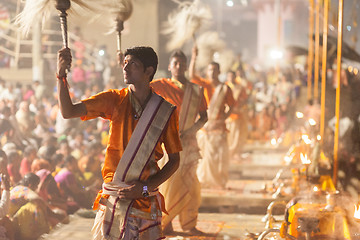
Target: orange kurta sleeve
208 89
171 137
169 91
100 105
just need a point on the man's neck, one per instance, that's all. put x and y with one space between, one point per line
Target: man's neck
215 82
181 79
141 93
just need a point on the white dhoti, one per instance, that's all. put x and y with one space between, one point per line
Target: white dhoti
117 219
214 166
182 190
237 135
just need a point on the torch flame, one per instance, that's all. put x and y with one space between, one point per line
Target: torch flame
357 212
312 122
306 138
304 159
299 115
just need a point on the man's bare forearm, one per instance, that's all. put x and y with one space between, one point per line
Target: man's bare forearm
67 108
169 169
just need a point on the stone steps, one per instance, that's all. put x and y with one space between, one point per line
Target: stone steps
247 178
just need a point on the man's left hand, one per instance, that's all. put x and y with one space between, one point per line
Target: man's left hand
134 191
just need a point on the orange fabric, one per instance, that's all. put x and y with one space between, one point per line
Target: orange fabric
240 100
208 88
173 94
209 91
115 106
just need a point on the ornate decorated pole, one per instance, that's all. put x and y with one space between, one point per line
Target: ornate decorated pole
311 49
323 72
63 6
337 103
317 50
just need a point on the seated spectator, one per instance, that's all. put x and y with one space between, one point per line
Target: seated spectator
39 164
70 186
57 161
3 163
49 191
29 91
90 165
28 157
7 228
25 119
29 211
13 166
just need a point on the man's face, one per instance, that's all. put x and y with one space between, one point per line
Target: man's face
212 72
177 67
230 77
133 70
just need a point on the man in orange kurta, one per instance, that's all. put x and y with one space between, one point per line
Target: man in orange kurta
182 190
124 108
213 168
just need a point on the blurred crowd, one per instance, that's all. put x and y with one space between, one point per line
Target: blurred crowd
51 167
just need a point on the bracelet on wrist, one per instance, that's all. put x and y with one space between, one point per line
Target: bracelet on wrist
63 79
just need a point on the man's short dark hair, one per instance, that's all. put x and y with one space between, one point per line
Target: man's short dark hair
178 54
215 64
146 55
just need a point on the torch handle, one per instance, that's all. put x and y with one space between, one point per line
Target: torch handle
119 28
64 32
119 41
63 23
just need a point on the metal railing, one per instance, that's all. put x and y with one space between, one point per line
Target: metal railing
18 48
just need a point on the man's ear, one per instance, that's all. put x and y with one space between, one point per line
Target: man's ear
149 71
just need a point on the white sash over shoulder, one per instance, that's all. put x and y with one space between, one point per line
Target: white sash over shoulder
137 154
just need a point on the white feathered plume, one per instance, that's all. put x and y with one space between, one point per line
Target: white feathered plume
35 10
226 59
213 48
185 22
114 11
208 44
